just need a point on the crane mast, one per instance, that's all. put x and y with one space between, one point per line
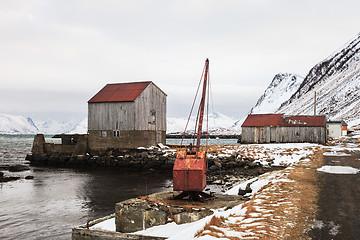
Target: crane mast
202 105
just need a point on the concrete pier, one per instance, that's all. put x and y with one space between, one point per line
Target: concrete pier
153 210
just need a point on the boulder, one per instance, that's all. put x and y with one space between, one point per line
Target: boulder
18 168
217 164
246 190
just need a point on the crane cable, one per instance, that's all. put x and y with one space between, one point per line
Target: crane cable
192 107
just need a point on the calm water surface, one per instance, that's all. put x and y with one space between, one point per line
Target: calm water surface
58 199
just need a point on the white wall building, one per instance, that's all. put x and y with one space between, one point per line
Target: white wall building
336 129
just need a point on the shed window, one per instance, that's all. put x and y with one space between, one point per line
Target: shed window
116 133
103 134
152 118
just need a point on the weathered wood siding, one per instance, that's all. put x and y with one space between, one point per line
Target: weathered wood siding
150 109
111 116
283 134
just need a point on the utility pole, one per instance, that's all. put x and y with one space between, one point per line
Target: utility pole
315 104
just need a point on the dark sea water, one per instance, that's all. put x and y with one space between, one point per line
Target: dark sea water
58 199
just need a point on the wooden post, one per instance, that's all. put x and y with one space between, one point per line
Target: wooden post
315 104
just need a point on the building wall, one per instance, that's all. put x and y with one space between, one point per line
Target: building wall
283 134
126 139
111 116
78 147
334 129
150 106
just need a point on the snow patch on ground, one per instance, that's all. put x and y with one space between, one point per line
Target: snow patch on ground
338 169
336 154
108 224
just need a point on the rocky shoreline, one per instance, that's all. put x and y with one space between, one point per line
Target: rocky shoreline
225 171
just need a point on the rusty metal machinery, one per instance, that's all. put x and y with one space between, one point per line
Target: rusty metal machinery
189 172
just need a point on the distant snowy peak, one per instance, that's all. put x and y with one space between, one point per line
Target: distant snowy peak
336 81
80 128
56 127
12 124
282 87
217 122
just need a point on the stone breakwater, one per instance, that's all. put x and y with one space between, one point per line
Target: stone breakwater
134 158
156 159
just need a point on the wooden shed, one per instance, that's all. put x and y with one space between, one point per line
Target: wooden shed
279 128
127 115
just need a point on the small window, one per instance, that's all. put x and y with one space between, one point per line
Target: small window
103 134
116 133
152 117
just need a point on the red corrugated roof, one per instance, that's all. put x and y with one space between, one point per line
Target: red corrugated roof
120 92
304 120
260 120
281 120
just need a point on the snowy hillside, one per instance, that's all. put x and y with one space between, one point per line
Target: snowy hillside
282 87
11 124
336 81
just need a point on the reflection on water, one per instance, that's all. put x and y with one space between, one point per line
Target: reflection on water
58 199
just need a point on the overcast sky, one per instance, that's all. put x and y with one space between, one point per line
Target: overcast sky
55 55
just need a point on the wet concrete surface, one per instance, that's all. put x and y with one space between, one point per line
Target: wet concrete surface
338 216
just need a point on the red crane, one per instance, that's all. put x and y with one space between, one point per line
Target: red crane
189 172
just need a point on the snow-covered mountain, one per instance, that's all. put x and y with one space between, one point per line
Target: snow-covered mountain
218 124
80 128
12 124
283 86
336 81
52 126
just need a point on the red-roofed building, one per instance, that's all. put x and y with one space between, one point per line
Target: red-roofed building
267 128
127 115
